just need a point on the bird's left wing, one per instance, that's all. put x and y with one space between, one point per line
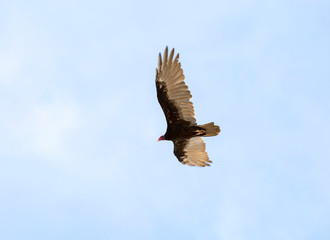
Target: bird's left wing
191 152
172 92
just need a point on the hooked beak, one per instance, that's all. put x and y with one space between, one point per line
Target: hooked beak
161 138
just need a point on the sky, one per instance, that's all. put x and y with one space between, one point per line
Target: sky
79 157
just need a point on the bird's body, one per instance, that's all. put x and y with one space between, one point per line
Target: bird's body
179 132
174 97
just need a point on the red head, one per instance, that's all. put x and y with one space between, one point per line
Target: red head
161 138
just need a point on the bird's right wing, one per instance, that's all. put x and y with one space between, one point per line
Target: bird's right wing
191 152
172 92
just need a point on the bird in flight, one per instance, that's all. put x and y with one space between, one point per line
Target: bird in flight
174 98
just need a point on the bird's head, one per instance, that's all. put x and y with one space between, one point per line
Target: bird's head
161 138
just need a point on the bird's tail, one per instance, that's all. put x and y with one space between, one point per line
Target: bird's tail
211 129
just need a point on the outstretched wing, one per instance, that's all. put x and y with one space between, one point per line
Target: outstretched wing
191 152
172 92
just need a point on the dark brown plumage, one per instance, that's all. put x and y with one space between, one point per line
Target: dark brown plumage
174 98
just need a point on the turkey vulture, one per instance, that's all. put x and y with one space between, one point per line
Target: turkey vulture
174 98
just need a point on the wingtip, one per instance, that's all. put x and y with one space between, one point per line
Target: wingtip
170 58
159 61
165 55
176 59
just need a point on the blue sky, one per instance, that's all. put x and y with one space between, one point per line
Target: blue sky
79 120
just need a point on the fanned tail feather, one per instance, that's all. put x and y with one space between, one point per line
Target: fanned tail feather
211 129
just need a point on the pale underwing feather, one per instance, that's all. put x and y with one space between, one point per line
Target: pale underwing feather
171 74
194 153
